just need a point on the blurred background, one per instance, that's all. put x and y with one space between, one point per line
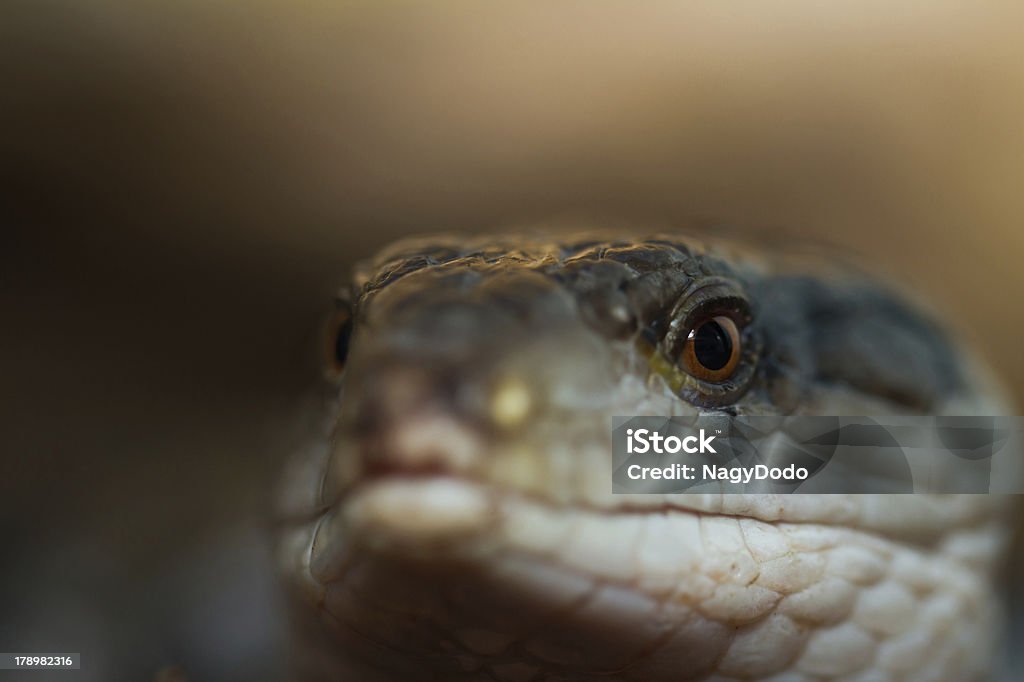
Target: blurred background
185 183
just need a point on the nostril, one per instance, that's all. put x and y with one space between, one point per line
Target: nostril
394 392
388 396
383 468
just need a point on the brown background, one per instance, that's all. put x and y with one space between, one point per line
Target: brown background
186 182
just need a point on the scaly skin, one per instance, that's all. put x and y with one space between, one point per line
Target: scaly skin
458 523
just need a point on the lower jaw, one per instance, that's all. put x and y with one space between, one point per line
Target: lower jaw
455 577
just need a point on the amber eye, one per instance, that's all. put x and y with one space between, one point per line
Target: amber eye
712 349
339 332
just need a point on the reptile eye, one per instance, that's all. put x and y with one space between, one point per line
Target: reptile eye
707 348
712 349
339 332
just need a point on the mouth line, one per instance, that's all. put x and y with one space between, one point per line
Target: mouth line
378 470
771 509
377 474
918 524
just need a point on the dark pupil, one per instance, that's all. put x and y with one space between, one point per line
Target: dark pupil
712 345
341 341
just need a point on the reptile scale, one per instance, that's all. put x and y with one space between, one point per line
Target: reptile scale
457 523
